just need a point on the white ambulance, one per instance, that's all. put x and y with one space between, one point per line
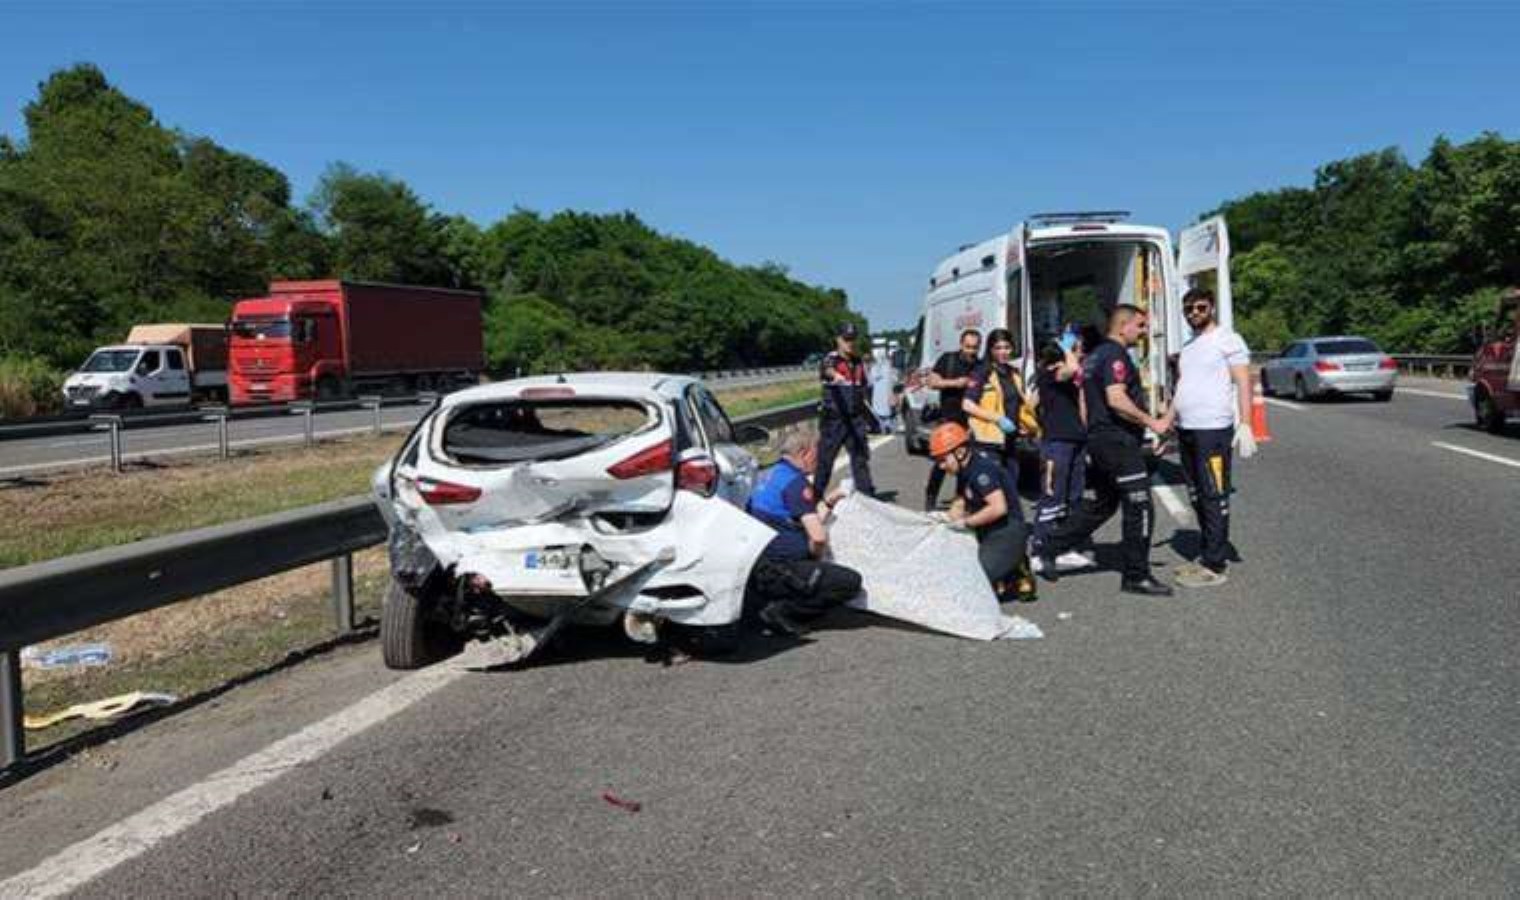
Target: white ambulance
1060 269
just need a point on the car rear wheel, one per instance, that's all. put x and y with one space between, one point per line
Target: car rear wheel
1300 390
408 639
910 430
1490 416
1383 396
1266 385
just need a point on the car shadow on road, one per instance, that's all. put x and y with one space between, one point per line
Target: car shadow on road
1511 429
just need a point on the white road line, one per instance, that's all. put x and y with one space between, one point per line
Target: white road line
137 834
1501 460
1173 498
1422 393
1285 404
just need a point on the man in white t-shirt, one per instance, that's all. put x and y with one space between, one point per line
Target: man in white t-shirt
1213 411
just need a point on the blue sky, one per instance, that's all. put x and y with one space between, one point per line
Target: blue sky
855 143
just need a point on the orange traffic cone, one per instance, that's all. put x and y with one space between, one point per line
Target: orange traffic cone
1259 429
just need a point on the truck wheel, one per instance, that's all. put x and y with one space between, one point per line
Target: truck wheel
1490 416
408 640
328 388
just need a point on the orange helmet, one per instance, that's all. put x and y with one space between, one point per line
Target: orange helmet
946 438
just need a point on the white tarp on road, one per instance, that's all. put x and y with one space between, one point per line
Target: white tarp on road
919 571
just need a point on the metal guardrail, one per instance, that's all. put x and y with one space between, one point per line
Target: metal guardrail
1434 366
74 423
50 599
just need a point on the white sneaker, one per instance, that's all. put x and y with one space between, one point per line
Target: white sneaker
1072 560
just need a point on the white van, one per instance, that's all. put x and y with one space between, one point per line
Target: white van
1073 268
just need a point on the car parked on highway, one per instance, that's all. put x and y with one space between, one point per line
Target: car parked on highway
1321 366
518 507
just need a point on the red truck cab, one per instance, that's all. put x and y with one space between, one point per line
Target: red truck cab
326 340
284 350
1495 390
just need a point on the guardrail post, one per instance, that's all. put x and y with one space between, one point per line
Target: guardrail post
306 408
343 592
372 403
113 423
12 737
218 414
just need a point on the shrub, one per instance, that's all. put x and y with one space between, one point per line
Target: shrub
28 387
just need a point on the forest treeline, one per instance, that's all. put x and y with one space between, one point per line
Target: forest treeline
109 217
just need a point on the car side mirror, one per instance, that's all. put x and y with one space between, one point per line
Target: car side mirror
751 434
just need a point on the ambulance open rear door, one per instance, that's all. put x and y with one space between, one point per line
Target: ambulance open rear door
1203 260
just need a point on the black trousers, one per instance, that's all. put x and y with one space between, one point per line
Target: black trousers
1119 477
1206 467
1001 549
805 588
835 432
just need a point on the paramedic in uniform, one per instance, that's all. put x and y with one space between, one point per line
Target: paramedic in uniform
843 413
951 374
791 584
1116 424
987 505
1213 410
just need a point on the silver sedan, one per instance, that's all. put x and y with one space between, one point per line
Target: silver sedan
1316 367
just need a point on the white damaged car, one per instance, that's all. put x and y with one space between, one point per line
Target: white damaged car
519 507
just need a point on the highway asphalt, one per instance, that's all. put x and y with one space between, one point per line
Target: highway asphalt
1340 718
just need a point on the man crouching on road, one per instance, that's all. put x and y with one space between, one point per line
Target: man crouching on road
791 583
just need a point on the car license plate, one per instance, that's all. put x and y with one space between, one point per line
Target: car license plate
259 386
1359 367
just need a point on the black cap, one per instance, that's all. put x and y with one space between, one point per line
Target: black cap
847 330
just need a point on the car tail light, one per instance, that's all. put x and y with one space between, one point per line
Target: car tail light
699 474
446 493
650 461
1388 363
1323 366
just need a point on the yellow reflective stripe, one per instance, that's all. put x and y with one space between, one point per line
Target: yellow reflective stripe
1216 469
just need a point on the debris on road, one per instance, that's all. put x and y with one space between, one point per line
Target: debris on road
63 657
109 708
632 806
1063 616
916 569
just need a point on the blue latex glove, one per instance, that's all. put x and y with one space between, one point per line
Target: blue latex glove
1068 341
1007 425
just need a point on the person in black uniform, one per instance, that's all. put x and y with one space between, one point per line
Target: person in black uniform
843 414
985 503
791 584
950 375
1116 424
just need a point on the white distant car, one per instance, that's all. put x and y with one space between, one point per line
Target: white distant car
589 498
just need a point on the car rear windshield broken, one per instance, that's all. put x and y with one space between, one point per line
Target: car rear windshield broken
531 431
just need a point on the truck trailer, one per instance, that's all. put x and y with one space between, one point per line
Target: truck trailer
159 365
327 340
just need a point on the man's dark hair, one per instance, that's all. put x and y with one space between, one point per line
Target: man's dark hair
1050 354
969 331
1199 293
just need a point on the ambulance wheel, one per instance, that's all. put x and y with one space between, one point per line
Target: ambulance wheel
910 431
408 638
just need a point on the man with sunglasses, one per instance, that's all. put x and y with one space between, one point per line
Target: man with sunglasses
1213 410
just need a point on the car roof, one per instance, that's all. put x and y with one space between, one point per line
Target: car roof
596 384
